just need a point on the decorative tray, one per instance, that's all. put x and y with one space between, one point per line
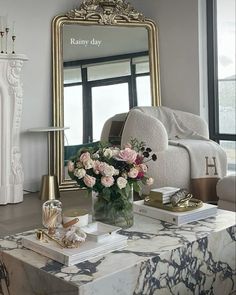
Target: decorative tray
101 240
192 205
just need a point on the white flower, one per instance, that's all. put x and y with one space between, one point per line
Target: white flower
108 170
121 182
115 152
70 166
133 173
108 153
150 181
144 168
116 172
80 173
88 164
95 156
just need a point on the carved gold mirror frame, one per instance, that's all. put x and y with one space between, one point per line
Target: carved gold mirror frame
103 13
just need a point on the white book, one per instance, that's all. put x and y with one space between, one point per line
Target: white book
166 191
177 218
87 250
163 194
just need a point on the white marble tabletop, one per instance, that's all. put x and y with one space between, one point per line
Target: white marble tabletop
189 259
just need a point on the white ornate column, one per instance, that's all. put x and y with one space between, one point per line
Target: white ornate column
11 99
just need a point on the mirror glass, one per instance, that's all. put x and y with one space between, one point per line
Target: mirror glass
99 70
105 72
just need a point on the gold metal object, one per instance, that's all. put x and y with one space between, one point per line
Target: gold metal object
192 204
49 188
181 198
40 234
183 202
99 13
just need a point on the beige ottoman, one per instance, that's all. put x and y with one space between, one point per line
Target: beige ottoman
225 190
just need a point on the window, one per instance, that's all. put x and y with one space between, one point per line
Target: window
221 75
97 89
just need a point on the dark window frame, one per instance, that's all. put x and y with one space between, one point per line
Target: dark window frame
212 64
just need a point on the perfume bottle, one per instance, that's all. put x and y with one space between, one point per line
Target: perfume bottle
52 215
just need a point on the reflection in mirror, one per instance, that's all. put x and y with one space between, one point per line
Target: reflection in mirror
105 61
106 71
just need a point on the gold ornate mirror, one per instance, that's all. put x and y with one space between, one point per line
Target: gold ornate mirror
105 61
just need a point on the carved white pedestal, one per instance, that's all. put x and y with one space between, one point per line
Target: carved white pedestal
11 98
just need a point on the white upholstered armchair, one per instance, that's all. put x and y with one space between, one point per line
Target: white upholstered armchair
172 167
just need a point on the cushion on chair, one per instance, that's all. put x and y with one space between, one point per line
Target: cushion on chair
172 168
225 188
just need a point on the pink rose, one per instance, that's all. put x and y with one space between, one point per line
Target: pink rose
133 173
89 180
107 181
101 167
150 181
96 166
128 155
70 166
85 157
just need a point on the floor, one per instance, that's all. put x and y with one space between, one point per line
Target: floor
24 216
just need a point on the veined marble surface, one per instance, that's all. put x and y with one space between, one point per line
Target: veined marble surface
197 258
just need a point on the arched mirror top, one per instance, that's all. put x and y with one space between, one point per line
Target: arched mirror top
101 36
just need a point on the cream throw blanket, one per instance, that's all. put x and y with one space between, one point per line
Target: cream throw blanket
207 159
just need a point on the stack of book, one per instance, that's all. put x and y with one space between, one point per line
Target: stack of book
163 194
177 218
101 240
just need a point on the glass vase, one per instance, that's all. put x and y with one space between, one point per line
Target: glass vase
117 211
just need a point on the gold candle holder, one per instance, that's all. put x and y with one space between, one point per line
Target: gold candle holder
7 31
2 36
13 37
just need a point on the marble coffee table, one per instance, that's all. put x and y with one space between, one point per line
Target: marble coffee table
197 258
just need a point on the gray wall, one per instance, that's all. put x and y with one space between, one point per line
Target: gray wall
179 64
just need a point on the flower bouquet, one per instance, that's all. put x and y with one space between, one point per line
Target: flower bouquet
112 174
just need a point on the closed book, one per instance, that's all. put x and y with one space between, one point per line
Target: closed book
177 218
163 194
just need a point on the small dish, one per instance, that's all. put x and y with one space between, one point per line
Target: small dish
98 231
81 214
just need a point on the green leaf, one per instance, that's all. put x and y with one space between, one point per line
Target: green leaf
137 186
127 189
106 194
